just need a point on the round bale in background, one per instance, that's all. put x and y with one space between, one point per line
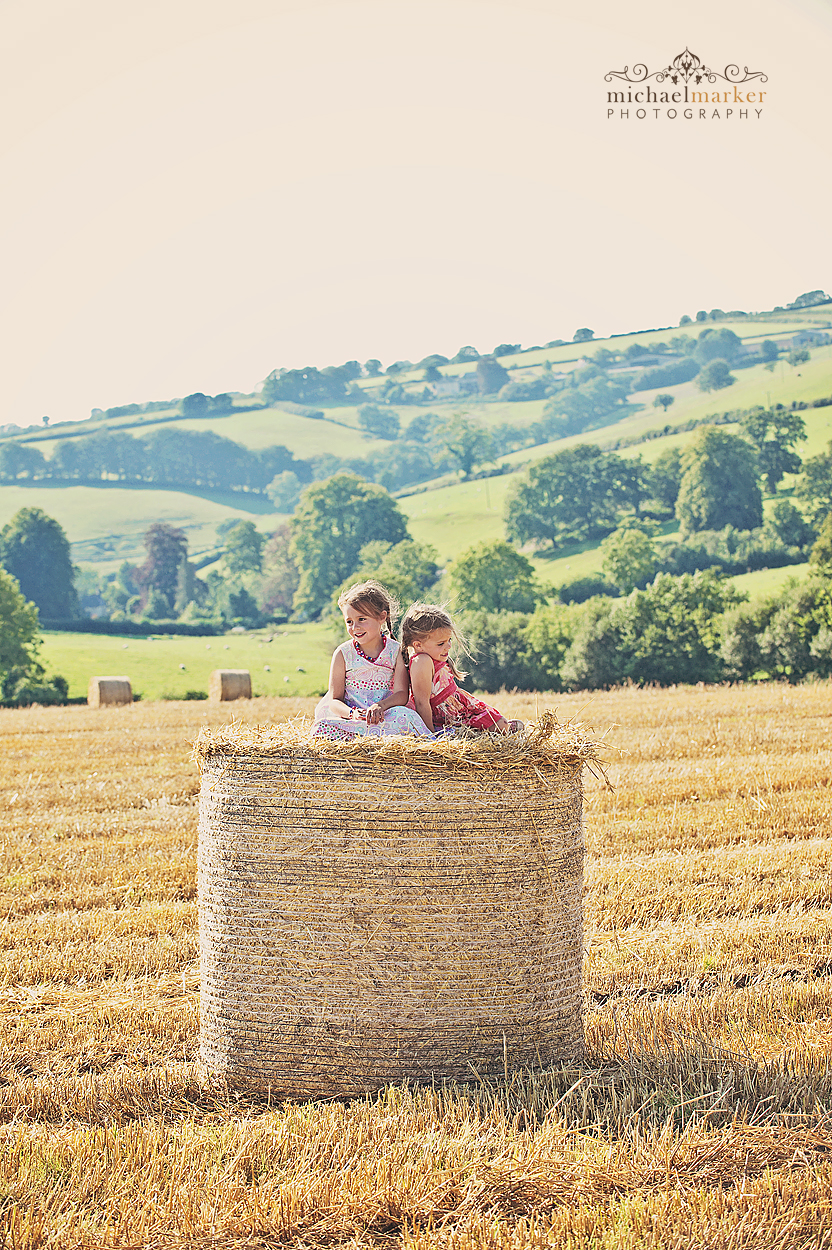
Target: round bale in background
229 683
388 909
103 691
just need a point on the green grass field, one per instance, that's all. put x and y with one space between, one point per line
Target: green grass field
153 664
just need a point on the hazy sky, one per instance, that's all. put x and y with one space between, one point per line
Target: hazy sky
197 191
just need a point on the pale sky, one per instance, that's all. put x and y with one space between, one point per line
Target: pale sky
198 191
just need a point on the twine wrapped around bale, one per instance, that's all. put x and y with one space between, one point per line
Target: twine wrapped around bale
226 684
109 690
388 908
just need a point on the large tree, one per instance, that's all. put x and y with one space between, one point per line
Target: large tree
35 550
244 548
379 422
494 577
719 483
332 522
466 442
573 495
593 402
774 433
276 590
814 486
19 638
491 376
158 577
721 344
629 558
715 376
663 479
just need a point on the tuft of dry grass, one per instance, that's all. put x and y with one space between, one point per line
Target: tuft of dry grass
701 1117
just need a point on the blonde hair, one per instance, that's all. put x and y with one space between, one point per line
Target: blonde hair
374 599
422 619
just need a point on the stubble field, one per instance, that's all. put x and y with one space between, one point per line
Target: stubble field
701 1115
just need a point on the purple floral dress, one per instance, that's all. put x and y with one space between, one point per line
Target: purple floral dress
366 682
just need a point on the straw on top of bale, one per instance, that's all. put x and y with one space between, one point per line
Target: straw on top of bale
545 741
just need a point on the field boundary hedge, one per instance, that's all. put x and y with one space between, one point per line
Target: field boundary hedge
135 629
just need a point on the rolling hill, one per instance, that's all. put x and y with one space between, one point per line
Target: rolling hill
105 521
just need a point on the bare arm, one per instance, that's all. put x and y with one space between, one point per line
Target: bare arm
421 680
335 694
398 696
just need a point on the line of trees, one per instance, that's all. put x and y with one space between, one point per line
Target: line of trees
167 456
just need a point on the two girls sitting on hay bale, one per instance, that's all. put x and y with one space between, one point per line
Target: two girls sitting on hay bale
378 686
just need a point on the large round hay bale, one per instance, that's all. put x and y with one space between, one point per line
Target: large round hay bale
388 909
229 683
109 690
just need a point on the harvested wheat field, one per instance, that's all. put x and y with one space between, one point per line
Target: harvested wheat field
699 1116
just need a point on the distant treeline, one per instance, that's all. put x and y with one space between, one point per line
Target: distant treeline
169 457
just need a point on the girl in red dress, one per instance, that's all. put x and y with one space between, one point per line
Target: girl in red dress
427 633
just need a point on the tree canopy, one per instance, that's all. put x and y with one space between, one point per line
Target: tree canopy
494 577
19 637
774 433
309 385
628 558
158 577
331 524
407 569
663 478
668 632
719 483
17 461
379 422
721 344
715 376
575 409
576 494
35 550
244 548
814 486
467 443
491 376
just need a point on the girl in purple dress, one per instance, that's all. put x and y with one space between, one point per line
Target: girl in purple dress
368 681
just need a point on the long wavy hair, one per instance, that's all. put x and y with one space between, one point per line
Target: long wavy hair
422 619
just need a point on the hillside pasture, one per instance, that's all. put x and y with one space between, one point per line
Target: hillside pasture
699 1115
754 385
105 523
303 436
566 357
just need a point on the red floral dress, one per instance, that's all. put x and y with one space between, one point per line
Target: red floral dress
452 707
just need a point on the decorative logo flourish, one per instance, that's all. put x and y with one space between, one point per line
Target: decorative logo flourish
686 67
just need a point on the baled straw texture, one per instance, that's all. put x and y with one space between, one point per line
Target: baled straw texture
107 690
388 909
226 684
